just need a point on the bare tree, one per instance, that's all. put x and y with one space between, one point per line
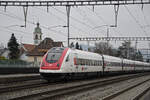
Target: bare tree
129 52
103 48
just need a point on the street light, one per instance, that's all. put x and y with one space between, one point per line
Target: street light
107 31
63 26
57 26
14 26
107 28
104 25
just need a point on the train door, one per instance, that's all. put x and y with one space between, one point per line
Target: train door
103 68
75 62
68 63
122 64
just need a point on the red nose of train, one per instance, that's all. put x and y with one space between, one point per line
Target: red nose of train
50 66
53 58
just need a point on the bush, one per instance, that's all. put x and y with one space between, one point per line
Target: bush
2 58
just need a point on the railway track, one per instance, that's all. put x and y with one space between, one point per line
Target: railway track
12 78
21 86
68 89
4 88
133 92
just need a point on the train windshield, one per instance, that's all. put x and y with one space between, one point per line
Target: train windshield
54 54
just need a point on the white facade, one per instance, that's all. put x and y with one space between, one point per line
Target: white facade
5 54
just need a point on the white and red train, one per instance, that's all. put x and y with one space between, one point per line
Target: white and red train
64 62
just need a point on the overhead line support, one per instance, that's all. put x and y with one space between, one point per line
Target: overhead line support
116 9
72 3
111 38
68 21
25 10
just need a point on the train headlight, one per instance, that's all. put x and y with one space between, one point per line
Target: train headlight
57 65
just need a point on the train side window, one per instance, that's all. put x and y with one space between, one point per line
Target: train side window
94 63
78 61
90 62
97 63
101 63
83 61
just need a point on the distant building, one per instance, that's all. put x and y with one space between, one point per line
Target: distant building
4 53
37 34
36 54
24 50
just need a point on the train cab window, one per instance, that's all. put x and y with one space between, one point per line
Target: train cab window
54 54
53 57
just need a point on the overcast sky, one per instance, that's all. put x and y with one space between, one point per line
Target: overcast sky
132 21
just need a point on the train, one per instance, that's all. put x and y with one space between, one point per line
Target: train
66 63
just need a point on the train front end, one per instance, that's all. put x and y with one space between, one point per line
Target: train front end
51 66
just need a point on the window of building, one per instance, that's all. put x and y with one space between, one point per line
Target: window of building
36 36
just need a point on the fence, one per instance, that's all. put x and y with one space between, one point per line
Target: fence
18 64
15 67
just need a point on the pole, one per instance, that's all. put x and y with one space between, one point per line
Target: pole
25 10
107 39
148 52
68 21
135 50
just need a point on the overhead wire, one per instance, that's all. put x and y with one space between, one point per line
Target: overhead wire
73 26
18 18
83 13
102 19
77 20
26 33
145 19
86 18
138 23
11 31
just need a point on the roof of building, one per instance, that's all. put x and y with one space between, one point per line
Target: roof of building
44 46
26 48
29 47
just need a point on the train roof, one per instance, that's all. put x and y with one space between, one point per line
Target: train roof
86 54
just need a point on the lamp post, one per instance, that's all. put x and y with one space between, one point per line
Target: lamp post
63 26
107 28
14 26
57 26
107 31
